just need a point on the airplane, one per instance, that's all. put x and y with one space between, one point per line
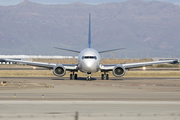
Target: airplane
89 63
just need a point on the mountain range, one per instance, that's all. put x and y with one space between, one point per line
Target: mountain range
145 28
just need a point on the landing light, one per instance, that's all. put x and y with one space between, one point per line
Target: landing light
144 68
102 66
34 67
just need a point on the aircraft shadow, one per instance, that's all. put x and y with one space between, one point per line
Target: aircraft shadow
57 79
79 78
84 78
116 79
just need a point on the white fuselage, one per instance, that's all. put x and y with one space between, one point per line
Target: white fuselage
89 61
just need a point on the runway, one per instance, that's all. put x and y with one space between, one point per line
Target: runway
90 110
125 88
59 98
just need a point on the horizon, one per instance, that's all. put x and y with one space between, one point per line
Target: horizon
50 2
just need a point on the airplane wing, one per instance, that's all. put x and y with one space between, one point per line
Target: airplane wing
135 65
69 67
142 64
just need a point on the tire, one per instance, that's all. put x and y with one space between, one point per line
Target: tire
71 76
107 76
102 76
88 78
75 76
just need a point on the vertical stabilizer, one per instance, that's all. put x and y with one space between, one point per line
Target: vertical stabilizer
89 36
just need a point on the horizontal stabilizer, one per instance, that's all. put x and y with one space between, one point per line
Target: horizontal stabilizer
77 51
103 51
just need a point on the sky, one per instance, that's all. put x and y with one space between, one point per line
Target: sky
14 2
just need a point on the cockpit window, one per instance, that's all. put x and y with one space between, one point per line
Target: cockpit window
89 57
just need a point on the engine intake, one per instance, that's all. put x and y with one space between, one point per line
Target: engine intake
59 70
119 70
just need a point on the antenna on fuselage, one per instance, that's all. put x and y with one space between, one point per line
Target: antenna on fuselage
89 36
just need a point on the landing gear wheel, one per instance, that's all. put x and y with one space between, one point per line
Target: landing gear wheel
71 76
107 76
102 76
75 76
88 78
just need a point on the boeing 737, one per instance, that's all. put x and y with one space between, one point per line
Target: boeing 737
89 62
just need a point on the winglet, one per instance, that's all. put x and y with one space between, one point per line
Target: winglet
89 36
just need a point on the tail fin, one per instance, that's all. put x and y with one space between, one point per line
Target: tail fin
89 36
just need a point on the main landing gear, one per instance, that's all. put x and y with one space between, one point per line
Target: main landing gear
104 76
73 76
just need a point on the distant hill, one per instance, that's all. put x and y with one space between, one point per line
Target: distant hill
146 29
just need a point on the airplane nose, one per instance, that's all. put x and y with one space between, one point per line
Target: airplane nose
88 66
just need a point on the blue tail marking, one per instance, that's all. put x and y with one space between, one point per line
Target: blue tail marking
89 36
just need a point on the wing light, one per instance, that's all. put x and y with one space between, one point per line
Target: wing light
144 68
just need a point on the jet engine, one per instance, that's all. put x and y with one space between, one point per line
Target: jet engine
59 70
119 70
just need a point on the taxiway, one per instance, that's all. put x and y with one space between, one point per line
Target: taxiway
59 98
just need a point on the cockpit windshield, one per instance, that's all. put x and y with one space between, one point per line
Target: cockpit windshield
89 57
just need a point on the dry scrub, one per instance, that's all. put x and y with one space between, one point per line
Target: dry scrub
46 73
103 61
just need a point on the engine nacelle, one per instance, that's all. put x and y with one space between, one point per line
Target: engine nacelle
119 70
59 70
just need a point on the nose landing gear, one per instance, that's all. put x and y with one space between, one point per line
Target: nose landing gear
88 77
